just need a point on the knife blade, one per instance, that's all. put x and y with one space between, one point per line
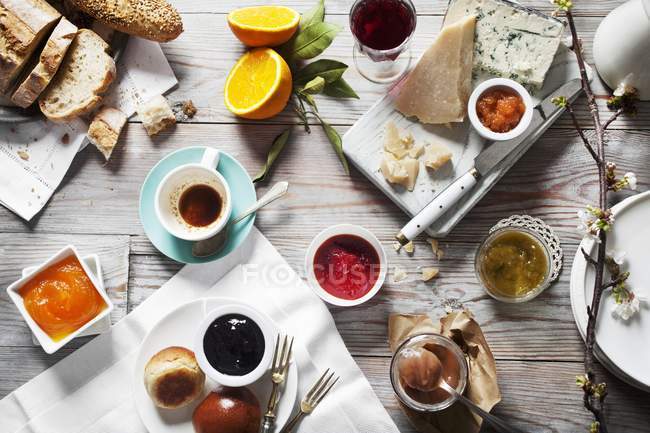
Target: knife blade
486 161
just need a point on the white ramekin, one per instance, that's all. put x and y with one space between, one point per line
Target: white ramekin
485 132
50 346
344 229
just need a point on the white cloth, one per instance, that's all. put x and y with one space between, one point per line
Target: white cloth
90 391
35 156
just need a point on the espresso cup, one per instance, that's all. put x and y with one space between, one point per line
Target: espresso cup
179 206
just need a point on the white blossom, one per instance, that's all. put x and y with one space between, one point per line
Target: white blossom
627 308
624 87
617 256
631 180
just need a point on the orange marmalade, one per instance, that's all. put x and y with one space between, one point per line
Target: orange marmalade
61 298
500 109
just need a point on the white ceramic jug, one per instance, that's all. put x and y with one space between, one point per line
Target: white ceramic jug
622 47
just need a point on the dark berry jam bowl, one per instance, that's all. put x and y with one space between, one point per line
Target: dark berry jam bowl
234 344
346 265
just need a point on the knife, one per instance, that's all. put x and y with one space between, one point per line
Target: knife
545 113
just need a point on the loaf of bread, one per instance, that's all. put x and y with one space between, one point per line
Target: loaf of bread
85 75
23 25
173 378
42 68
105 129
155 20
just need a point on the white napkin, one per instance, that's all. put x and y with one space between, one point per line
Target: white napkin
35 156
90 391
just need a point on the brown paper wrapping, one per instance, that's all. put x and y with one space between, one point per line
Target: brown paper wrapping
482 387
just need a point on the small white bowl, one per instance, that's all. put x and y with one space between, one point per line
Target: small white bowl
268 330
50 346
485 132
344 229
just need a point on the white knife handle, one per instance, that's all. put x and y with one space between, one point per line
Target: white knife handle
438 206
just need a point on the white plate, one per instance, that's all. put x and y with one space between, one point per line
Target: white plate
177 329
623 343
93 263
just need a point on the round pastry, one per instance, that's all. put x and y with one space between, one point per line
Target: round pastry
228 410
173 378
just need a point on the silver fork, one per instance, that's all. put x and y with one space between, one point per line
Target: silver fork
281 358
314 396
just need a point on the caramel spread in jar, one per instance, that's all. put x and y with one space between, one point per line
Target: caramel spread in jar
62 298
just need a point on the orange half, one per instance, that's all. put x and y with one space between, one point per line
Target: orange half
264 26
259 85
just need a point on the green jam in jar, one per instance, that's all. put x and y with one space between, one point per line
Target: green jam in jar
513 264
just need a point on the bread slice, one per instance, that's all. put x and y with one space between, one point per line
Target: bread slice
23 25
105 129
155 20
42 68
85 75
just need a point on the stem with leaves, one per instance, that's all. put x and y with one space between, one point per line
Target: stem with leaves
596 221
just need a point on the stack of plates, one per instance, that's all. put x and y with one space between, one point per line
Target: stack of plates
622 346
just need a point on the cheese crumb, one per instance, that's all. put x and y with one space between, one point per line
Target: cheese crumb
400 171
397 246
429 273
435 247
436 155
399 275
409 248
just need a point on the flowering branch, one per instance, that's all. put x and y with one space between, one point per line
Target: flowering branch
597 221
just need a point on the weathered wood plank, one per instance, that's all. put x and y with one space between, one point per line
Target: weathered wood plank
203 56
27 249
551 180
423 7
537 397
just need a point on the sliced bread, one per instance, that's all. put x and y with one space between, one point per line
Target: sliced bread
105 129
85 75
23 25
43 68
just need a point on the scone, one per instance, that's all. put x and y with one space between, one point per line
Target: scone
173 378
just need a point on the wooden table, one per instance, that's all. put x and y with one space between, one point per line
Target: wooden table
538 349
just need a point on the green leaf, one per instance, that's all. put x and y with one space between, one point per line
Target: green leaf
312 41
314 87
330 70
313 16
340 89
276 148
337 143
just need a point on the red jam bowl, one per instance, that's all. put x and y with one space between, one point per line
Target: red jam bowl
346 265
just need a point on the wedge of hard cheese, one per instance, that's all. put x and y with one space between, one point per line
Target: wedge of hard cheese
42 68
23 25
438 89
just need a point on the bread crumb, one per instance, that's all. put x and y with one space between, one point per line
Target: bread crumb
429 273
399 275
189 108
23 155
65 139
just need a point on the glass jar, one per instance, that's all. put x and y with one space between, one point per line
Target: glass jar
420 341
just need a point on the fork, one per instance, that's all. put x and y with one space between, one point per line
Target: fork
314 396
280 366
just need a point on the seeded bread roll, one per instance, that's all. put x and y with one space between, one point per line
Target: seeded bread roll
173 378
155 20
42 68
86 74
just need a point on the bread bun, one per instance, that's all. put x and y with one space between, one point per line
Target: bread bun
173 378
228 410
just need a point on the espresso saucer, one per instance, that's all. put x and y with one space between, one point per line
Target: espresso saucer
242 193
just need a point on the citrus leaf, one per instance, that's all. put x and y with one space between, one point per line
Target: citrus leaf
337 143
312 41
314 87
340 89
276 148
313 15
330 70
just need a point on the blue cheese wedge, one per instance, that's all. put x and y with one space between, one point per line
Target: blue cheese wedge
511 41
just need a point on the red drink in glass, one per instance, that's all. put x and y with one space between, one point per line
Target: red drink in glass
382 24
383 31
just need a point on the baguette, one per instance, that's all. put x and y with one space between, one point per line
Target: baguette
85 75
105 129
45 66
155 20
23 25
